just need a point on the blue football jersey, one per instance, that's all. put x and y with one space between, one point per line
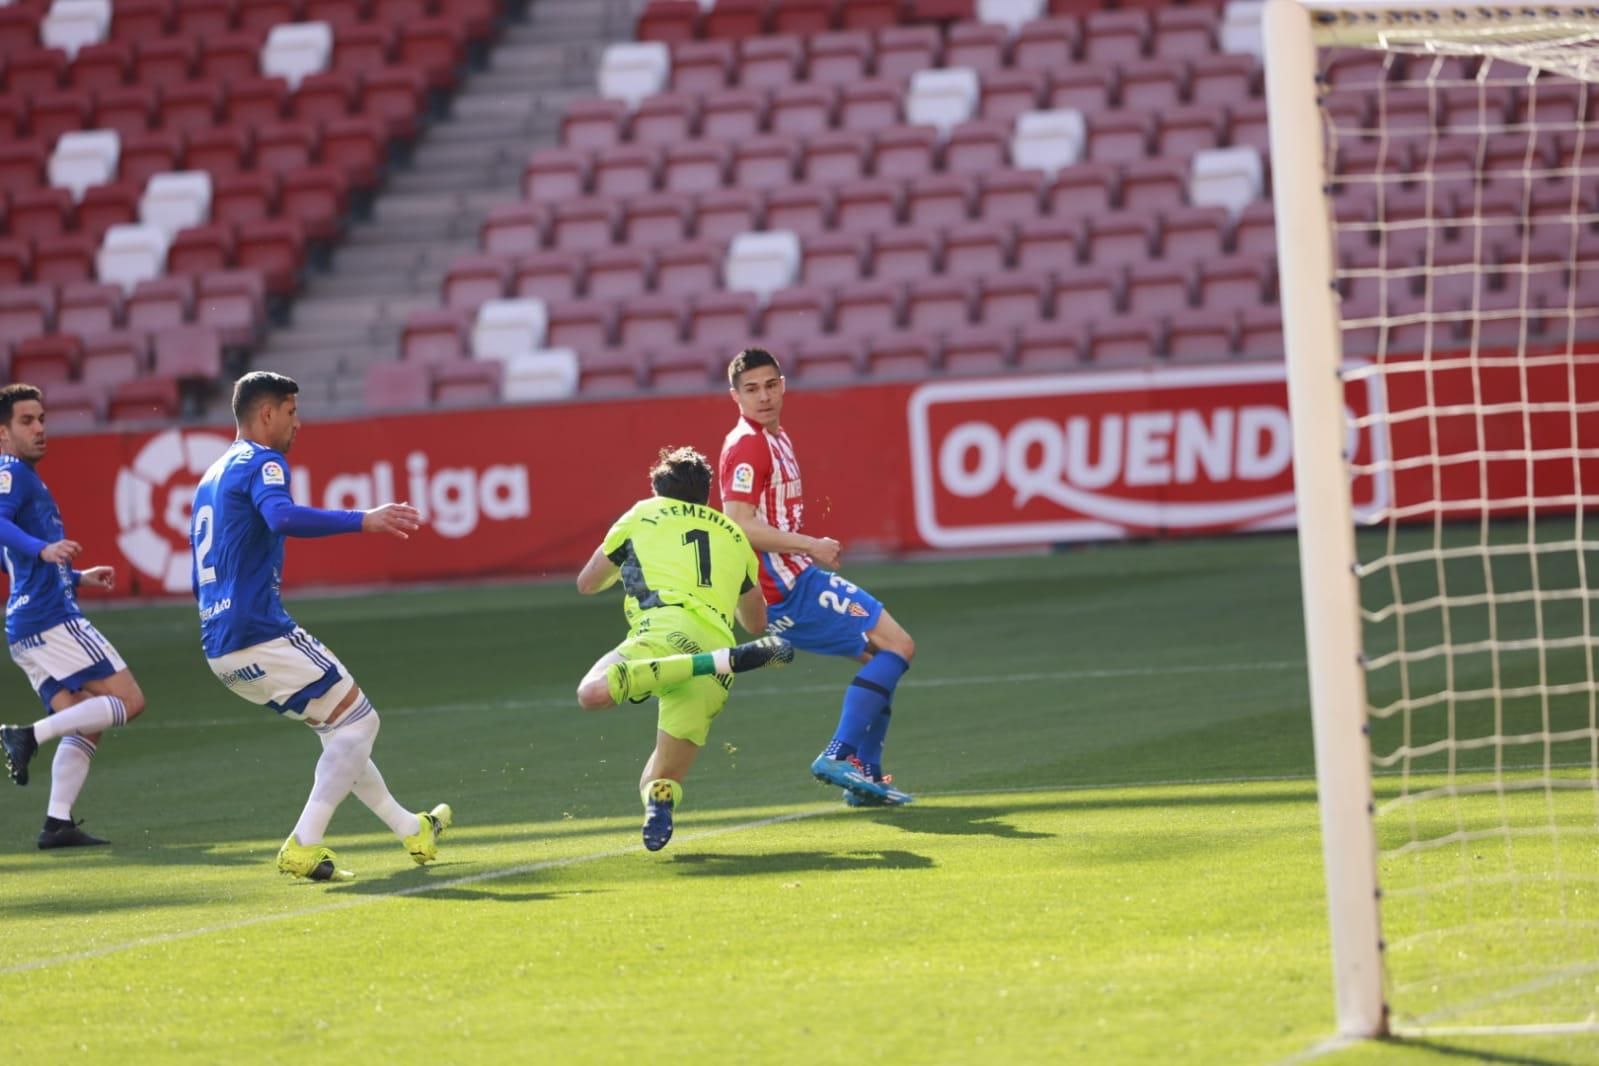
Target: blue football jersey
41 593
238 560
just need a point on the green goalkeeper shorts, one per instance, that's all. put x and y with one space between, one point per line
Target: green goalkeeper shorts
686 710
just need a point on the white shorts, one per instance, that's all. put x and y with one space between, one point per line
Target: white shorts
65 657
295 675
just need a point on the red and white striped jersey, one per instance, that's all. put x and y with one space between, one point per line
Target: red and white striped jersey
759 467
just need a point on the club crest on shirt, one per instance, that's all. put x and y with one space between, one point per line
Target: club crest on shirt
271 473
5 481
857 610
743 478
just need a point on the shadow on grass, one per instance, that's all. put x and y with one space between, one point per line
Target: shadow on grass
956 821
792 862
1477 1054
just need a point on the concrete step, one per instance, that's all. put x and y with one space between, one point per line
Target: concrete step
500 174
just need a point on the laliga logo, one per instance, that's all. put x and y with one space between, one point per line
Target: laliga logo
155 530
153 552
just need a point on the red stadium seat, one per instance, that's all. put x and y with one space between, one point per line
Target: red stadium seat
322 98
1122 341
188 353
593 122
725 213
104 206
435 46
160 303
550 276
797 314
864 206
648 322
1010 196
826 359
984 349
976 249
64 259
904 254
43 361
939 304
667 21
1154 185
1200 336
232 302
734 19
19 29
1119 137
1189 234
626 170
940 199
395 98
162 62
833 259
695 167
16 261
868 309
770 62
803 110
582 325
689 269
112 358
145 399
88 307
1083 191
1158 288
840 58
129 111
220 152
13 116
1087 87
473 279
1255 232
337 13
102 67
62 111
1048 244
869 105
733 114
666 119
1048 45
40 214
978 147
1048 346
1115 36
1249 126
901 355
1009 93
204 18
35 71
867 14
26 311
1232 283
1116 239
837 156
556 174
1085 294
611 371
1015 299
432 336
978 46
684 369
282 147
147 155
905 151
511 229
1222 79
467 382
356 147
276 248
724 320
802 209
239 198
619 273
703 66
1184 132
1152 84
192 108
363 50
903 50
804 17
398 386
230 57
584 224
1260 333
656 219
768 162
257 101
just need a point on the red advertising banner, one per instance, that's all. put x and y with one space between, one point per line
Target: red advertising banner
888 468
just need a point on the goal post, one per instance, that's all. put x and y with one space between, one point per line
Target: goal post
1435 169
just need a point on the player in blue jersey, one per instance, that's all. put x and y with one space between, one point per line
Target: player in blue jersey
82 681
242 513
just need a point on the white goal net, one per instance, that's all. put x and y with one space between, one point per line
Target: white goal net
1457 174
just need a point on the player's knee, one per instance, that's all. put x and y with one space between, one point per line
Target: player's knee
593 694
900 644
133 703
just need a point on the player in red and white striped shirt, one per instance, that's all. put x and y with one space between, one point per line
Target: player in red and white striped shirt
808 604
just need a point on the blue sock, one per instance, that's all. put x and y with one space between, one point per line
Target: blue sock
868 694
871 751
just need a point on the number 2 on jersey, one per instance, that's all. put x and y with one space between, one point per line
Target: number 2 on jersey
701 540
205 529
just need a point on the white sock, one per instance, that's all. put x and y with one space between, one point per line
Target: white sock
68 771
94 715
371 790
346 747
723 657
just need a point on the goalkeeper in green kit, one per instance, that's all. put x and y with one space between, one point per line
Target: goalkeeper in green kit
686 571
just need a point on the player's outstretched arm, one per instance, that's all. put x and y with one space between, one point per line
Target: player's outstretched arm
752 611
598 574
99 577
768 538
396 519
287 518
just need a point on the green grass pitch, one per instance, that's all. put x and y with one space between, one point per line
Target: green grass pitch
1115 857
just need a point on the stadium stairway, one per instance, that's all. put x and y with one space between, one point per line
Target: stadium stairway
430 211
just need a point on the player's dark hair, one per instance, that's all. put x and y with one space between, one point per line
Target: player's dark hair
259 385
681 474
12 395
749 359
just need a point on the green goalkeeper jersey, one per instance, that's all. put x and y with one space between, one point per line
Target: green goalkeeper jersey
676 554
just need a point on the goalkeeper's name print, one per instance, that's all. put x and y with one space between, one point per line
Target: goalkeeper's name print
1107 455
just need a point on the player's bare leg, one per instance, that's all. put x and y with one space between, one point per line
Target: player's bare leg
661 785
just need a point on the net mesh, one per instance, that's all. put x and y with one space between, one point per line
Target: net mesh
1463 185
